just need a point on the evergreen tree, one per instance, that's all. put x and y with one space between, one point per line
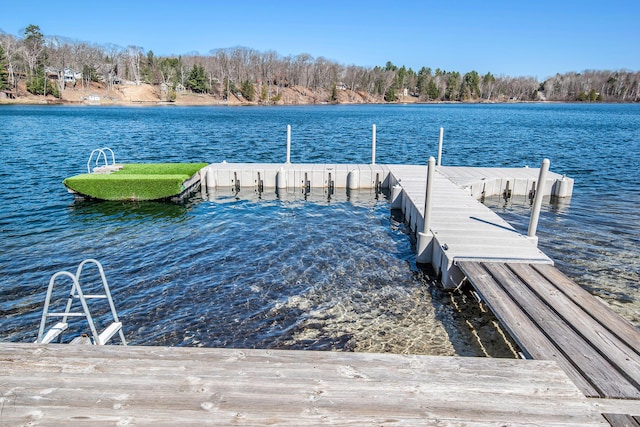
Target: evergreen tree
390 67
432 90
39 84
35 53
390 94
470 86
197 80
149 68
422 83
535 95
89 74
247 90
334 93
452 92
34 48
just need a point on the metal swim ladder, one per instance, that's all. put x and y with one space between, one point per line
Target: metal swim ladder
76 293
102 153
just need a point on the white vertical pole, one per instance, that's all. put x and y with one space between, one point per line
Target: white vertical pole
427 200
440 146
424 248
288 143
373 145
537 202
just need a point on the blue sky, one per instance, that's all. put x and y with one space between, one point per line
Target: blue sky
505 37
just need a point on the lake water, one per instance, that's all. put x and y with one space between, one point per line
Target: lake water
299 273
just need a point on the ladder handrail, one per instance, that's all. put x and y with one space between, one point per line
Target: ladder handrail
101 151
76 292
107 290
113 156
47 300
98 150
85 307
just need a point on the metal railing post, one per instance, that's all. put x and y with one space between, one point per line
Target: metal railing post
373 145
288 144
440 146
425 237
537 202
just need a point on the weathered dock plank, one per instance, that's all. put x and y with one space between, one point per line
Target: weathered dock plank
596 347
622 420
595 307
533 341
78 385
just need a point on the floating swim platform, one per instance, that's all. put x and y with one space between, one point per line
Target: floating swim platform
137 181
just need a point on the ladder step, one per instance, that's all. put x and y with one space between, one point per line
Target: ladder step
83 339
111 330
66 314
52 333
92 296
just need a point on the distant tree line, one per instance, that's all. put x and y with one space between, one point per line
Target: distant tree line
50 65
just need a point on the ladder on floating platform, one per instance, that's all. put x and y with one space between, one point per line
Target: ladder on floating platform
107 167
76 293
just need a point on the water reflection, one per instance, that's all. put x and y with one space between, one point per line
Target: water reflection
91 210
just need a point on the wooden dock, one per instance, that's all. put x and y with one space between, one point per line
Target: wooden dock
587 359
552 318
548 315
115 385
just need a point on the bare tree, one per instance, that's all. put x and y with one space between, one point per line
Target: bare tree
87 59
59 56
234 67
12 51
109 65
133 55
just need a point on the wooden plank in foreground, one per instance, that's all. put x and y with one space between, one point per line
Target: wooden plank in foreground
622 420
596 308
533 342
109 385
556 322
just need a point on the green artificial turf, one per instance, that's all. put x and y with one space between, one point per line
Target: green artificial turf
141 181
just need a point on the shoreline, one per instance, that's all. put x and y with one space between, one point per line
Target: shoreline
51 101
149 95
56 102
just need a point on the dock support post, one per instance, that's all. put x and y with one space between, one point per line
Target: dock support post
210 178
373 145
353 179
288 144
281 179
425 238
396 197
440 146
537 201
